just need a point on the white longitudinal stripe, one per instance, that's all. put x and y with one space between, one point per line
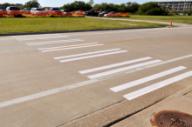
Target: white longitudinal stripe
162 63
114 65
156 86
60 49
147 79
87 53
40 37
110 72
93 56
54 42
44 94
67 46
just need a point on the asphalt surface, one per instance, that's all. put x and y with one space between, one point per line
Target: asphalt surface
90 78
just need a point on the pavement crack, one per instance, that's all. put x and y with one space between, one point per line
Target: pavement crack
91 113
129 115
187 92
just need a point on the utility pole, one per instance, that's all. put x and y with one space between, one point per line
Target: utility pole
185 7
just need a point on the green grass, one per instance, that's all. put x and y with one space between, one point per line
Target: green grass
32 25
179 19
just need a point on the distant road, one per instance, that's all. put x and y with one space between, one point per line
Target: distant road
144 20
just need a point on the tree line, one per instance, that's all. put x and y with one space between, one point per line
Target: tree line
29 4
150 8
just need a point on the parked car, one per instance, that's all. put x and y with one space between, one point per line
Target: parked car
68 14
78 13
38 12
55 12
92 13
2 13
117 14
26 11
102 13
13 11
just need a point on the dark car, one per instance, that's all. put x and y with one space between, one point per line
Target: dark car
92 13
13 11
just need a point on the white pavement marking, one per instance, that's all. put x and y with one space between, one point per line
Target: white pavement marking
147 79
114 65
156 86
78 47
54 42
87 53
44 94
161 63
40 37
106 73
67 46
93 56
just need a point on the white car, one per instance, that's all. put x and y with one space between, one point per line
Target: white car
13 11
39 12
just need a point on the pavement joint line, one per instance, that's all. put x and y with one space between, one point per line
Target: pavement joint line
86 53
113 65
147 79
45 93
70 48
66 41
122 69
182 92
143 91
40 37
162 63
66 46
93 56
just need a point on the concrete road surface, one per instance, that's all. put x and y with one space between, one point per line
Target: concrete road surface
90 79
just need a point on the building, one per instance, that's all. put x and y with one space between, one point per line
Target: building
177 6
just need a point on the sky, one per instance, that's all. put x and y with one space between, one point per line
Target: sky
55 3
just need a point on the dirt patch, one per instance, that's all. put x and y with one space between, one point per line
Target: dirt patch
171 119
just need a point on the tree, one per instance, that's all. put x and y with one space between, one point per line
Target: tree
129 7
32 4
106 7
152 8
132 7
5 5
77 5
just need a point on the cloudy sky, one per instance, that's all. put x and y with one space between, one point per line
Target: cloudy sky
61 2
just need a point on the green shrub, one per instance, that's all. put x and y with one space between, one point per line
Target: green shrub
152 8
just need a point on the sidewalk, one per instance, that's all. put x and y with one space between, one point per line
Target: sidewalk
147 21
179 102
